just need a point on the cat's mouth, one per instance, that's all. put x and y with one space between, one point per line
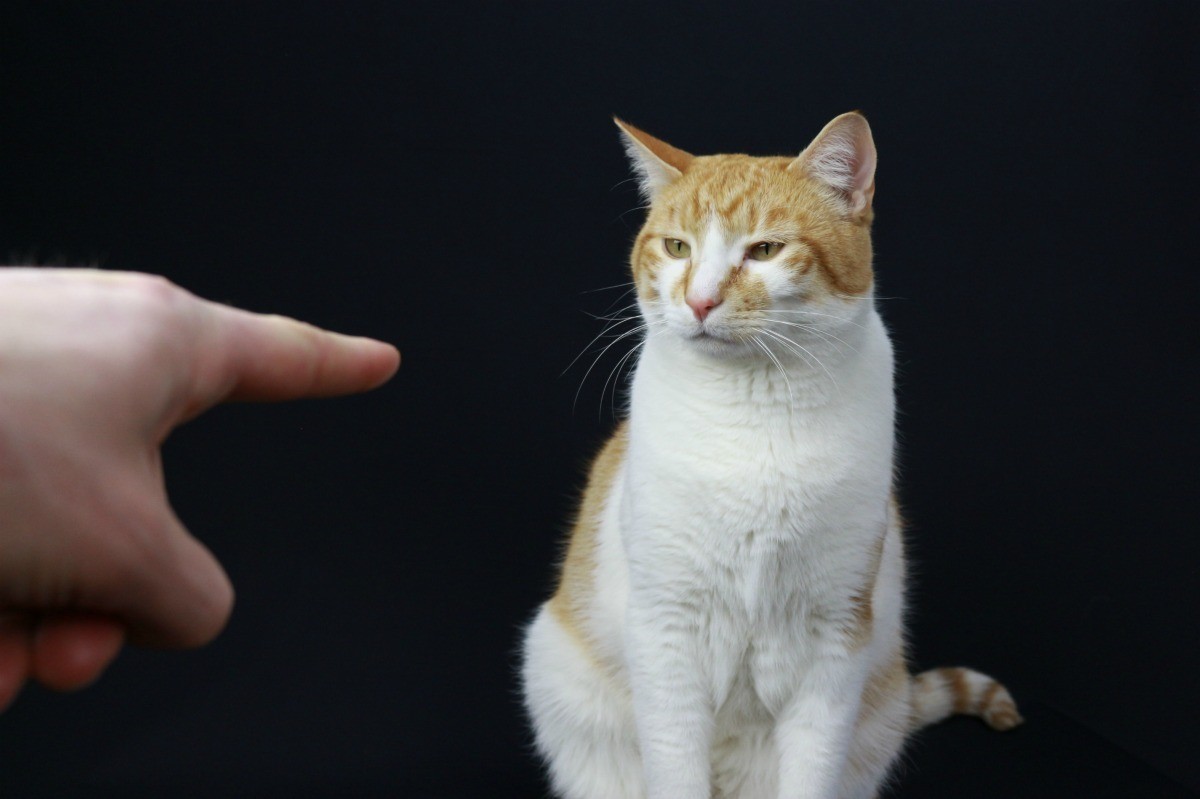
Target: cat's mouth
702 333
713 339
711 335
715 331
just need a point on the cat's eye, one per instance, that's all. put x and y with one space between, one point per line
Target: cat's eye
677 248
764 251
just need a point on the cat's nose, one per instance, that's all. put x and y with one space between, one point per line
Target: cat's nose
701 306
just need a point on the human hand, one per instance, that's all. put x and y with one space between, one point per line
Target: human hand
96 369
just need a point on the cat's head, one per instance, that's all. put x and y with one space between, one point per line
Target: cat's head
739 251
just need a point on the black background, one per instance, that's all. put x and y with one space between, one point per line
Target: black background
445 176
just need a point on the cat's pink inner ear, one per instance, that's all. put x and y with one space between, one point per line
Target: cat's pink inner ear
656 162
843 157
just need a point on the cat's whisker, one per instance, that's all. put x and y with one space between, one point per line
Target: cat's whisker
790 346
779 366
596 360
613 324
621 217
622 296
842 319
789 342
616 318
631 288
608 288
852 298
617 314
648 328
616 370
620 183
617 373
815 329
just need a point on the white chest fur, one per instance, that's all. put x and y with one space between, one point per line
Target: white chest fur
751 503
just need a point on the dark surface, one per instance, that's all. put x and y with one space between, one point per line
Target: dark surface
445 176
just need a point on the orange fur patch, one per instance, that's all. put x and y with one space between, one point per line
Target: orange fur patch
883 686
576 584
863 600
960 690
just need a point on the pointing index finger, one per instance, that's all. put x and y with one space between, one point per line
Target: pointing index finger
271 358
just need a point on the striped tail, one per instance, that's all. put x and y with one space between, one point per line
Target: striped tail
938 693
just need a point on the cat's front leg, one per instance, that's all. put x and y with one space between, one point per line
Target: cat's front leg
672 705
814 731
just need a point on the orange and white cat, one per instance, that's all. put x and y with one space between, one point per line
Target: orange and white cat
728 621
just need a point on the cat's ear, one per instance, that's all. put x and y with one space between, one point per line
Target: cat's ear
657 163
843 157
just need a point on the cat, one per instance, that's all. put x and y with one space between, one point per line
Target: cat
728 618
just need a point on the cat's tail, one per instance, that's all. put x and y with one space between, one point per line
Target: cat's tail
939 693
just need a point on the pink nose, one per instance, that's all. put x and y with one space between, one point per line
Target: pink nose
701 306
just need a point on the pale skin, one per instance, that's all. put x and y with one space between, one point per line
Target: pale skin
96 369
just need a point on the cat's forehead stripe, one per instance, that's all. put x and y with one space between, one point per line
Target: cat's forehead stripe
734 188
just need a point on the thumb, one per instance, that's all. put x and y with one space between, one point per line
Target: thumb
180 597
